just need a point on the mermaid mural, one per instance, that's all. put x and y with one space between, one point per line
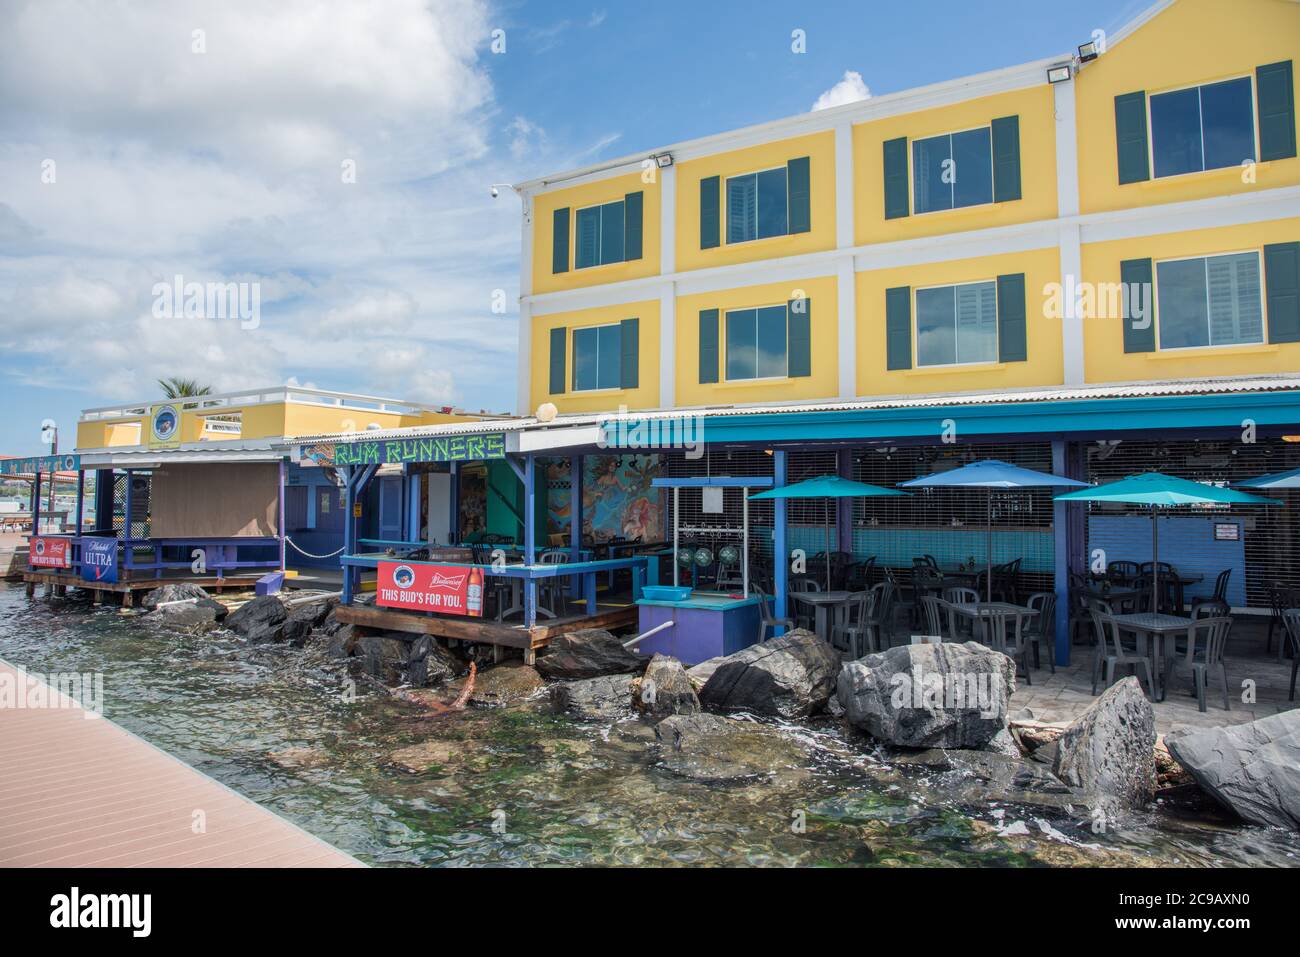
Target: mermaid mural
618 500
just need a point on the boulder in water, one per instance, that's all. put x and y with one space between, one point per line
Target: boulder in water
192 617
1109 750
666 689
791 676
594 699
710 747
260 620
505 684
1252 769
929 696
588 653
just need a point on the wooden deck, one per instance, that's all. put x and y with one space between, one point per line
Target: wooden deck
502 635
82 792
57 583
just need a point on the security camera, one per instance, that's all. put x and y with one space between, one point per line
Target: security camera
495 192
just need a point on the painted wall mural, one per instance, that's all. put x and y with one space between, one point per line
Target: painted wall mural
617 501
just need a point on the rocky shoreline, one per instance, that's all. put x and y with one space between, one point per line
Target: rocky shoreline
937 714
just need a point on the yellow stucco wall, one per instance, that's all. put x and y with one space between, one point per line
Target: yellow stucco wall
823 315
1104 356
1191 42
645 396
1043 365
820 150
1036 110
590 194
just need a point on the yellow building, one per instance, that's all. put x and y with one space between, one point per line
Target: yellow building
1131 216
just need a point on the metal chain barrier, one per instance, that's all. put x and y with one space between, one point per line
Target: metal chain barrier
309 554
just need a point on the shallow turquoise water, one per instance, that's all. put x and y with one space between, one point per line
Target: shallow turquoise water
524 787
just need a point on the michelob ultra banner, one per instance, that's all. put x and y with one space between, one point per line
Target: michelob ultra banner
447 589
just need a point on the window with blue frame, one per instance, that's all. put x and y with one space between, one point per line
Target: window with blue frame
600 238
596 352
957 324
953 170
1209 301
757 206
757 343
1203 127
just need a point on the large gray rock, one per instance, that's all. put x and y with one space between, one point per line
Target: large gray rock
180 591
191 617
1109 750
709 747
304 619
983 777
929 696
385 657
791 676
1252 769
260 620
666 689
588 653
503 685
594 699
428 663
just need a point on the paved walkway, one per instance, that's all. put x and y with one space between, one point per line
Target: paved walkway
79 791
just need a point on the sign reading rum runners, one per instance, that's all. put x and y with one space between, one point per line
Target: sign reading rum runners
447 589
443 448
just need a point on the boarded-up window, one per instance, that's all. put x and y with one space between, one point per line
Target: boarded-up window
215 501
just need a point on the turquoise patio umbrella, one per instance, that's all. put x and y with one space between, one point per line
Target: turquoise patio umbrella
1289 479
828 486
1158 490
989 474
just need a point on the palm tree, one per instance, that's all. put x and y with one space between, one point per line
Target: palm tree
177 388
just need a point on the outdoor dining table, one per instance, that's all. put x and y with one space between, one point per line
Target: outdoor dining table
971 609
824 602
1157 627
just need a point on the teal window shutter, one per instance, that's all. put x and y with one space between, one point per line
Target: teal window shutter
1131 137
710 212
1275 98
1139 305
629 353
633 204
798 341
557 360
1006 159
1012 346
896 201
799 185
708 345
560 241
1282 284
898 327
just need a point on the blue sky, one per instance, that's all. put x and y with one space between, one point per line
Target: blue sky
219 160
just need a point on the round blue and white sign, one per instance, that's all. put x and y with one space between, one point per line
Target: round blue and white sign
165 421
403 576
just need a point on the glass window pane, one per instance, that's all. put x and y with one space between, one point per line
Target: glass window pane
607 367
771 342
742 209
584 359
1181 309
1228 123
611 233
772 203
1176 132
588 244
972 169
935 327
1236 315
928 157
741 344
977 322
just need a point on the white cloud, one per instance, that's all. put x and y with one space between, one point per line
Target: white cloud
225 166
850 89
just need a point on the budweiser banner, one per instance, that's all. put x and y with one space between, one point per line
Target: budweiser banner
446 589
48 553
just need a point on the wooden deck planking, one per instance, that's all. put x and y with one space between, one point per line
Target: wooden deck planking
84 792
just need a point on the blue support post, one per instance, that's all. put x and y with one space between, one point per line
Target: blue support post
575 507
780 547
36 502
1061 562
530 540
453 523
81 494
844 506
349 531
281 529
414 508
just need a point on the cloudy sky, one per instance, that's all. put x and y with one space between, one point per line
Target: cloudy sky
338 153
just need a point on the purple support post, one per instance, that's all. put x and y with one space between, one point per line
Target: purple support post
780 544
530 540
844 506
280 529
